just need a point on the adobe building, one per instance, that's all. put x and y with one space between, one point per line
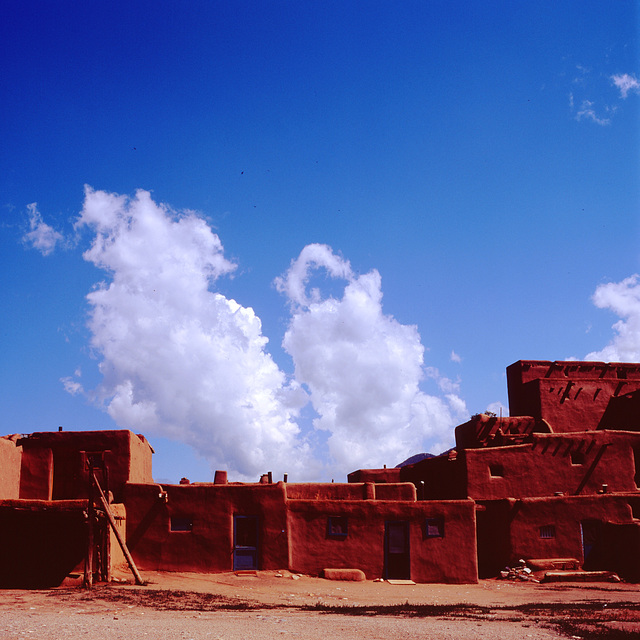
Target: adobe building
556 483
559 478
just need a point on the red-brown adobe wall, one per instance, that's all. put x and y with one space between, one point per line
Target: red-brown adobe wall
10 460
451 558
125 454
375 475
545 467
36 474
209 546
580 405
325 491
565 514
575 396
350 491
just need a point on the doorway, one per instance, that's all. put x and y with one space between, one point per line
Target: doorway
591 532
397 560
245 542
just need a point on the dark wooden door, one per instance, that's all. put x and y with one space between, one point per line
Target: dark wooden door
397 559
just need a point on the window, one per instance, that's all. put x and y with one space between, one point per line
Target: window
337 526
434 527
577 458
181 524
548 531
496 470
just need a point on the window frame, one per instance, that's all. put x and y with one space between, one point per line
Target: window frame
337 527
433 527
180 524
496 470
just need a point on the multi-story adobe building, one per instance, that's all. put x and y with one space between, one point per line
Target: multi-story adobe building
557 481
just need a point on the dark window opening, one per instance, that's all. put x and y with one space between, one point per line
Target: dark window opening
635 509
95 459
181 524
577 457
496 470
434 527
337 526
548 531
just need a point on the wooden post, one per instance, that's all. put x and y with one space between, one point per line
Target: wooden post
88 561
107 554
112 522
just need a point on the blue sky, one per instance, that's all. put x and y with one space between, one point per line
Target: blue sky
475 164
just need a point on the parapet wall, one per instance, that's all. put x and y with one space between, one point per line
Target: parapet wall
350 491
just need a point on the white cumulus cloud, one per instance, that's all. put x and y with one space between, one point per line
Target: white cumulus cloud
177 358
41 236
623 299
361 366
626 84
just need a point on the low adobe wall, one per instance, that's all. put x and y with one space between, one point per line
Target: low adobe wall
350 491
451 558
208 545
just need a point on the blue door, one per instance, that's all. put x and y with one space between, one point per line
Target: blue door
245 542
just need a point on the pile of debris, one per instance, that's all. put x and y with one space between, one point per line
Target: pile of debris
520 571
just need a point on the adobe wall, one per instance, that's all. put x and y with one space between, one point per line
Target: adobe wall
375 475
140 462
36 474
576 396
451 558
350 491
54 463
10 461
208 547
118 561
546 466
564 514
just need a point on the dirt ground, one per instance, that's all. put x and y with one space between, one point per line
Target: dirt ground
270 605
